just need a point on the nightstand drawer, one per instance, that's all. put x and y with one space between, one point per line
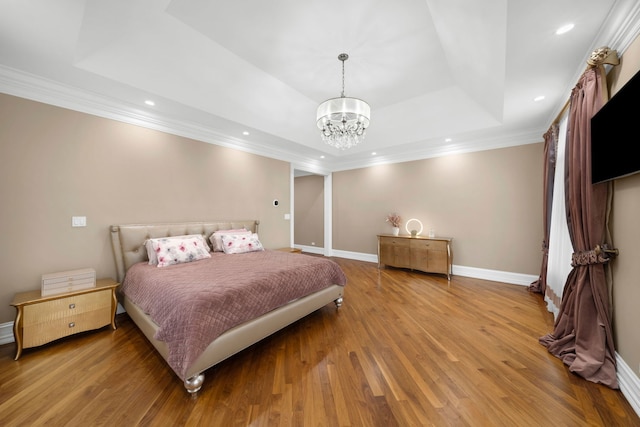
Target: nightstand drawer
41 333
49 311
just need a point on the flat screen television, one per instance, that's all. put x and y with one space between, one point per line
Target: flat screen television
615 135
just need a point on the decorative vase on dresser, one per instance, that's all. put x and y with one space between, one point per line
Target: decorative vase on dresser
395 230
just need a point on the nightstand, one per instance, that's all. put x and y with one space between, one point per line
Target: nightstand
40 320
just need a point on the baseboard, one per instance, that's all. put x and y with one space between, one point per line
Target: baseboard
459 270
629 383
494 275
6 333
356 255
339 254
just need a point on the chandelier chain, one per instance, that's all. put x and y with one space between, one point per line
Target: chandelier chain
342 78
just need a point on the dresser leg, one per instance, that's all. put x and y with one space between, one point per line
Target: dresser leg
114 308
17 332
18 351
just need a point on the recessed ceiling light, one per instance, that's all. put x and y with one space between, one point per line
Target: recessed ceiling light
538 98
564 29
374 153
149 102
448 140
245 133
322 157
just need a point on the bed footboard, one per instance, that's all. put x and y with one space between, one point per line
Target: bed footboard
241 336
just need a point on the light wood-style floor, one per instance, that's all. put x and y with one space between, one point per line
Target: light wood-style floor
406 349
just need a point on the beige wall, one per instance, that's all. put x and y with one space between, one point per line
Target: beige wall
308 226
57 163
626 237
490 202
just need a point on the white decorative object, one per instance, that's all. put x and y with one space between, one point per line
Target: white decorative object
68 281
414 232
432 233
343 121
396 230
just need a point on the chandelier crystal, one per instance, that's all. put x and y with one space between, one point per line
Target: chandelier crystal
343 121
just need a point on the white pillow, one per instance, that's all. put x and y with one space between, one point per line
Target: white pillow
151 253
216 237
241 243
176 250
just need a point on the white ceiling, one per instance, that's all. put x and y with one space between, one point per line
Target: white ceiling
467 70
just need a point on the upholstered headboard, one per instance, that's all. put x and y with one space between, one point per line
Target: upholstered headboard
128 240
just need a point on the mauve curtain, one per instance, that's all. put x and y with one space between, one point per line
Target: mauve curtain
582 335
550 144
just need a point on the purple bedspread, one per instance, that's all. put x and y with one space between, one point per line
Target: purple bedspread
194 303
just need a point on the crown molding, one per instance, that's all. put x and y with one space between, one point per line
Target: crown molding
427 150
25 85
21 84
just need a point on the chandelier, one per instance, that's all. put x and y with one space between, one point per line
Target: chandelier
343 121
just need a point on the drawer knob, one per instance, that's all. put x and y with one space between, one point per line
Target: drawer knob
72 306
72 324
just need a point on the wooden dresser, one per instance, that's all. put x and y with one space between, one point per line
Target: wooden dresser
428 254
40 320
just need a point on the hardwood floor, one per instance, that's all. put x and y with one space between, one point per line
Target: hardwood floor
405 349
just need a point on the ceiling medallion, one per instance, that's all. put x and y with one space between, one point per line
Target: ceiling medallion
343 121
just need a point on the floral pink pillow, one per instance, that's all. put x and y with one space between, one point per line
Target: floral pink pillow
216 238
171 251
152 254
241 243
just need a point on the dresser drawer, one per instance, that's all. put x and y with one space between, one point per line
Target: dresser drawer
62 308
394 241
431 245
36 334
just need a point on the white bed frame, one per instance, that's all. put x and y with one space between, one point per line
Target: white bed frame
128 248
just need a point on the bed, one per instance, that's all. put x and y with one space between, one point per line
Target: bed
212 314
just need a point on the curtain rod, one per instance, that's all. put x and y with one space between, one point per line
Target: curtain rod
561 113
600 56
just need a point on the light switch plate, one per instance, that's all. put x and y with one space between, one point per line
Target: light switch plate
78 221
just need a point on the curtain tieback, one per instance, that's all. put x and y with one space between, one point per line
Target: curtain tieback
599 255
